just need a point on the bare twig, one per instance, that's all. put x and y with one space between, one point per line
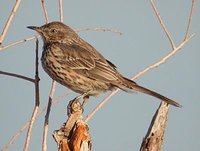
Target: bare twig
45 11
190 19
18 42
17 76
163 60
103 102
61 10
162 24
37 101
12 14
46 123
101 29
37 79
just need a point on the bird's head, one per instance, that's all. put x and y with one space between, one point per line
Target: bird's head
55 32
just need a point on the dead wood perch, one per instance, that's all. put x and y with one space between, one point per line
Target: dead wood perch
74 134
154 138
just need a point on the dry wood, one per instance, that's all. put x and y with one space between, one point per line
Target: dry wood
74 134
154 138
10 18
37 100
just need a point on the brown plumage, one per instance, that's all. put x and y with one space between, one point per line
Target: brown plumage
74 63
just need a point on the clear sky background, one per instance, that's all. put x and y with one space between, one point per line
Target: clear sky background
123 122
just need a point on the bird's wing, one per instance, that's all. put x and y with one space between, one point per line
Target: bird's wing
86 60
76 57
103 71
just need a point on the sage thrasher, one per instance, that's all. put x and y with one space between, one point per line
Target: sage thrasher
74 63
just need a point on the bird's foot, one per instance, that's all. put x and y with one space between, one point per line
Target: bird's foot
74 106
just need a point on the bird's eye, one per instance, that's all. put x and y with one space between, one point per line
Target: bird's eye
53 31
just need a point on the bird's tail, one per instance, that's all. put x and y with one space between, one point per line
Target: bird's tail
132 86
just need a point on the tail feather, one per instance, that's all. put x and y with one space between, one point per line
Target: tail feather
131 85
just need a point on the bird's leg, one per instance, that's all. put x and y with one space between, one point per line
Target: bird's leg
85 101
85 97
78 97
74 106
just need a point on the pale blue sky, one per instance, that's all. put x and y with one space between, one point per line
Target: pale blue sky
123 122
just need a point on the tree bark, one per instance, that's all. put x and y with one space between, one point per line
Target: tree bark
154 138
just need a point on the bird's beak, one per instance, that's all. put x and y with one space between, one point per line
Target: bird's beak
34 28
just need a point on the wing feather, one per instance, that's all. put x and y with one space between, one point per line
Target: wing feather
89 62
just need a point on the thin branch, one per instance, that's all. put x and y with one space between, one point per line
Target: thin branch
101 29
37 79
37 101
190 19
17 76
163 60
20 131
10 18
45 11
28 137
103 102
61 10
46 123
162 24
18 42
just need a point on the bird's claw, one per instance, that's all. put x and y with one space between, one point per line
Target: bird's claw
74 106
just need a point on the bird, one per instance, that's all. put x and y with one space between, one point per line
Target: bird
76 64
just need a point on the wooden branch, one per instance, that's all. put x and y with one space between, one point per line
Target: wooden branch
74 134
17 76
45 11
162 24
103 102
46 122
18 42
37 101
101 29
155 136
190 19
61 10
164 59
10 18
